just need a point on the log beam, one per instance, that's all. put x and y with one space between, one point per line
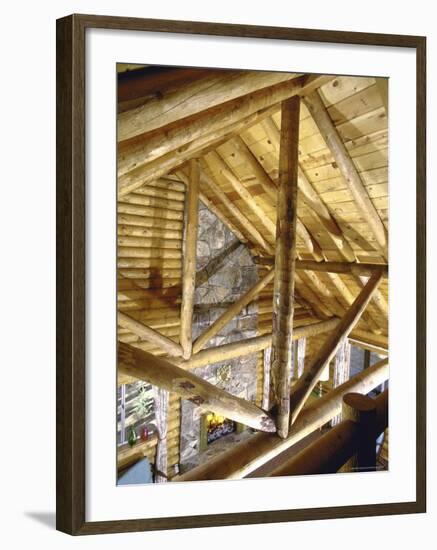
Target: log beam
149 334
193 98
231 312
285 259
341 370
307 195
189 260
247 456
305 385
347 167
333 267
165 375
334 448
237 214
151 145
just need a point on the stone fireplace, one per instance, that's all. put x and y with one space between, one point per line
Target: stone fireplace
225 271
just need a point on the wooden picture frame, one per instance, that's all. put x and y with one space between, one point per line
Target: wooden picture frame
71 283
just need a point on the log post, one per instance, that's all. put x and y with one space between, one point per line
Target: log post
165 375
283 290
312 374
362 410
189 260
266 378
300 356
341 370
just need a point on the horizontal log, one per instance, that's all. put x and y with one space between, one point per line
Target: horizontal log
328 454
252 345
149 334
161 373
249 455
332 267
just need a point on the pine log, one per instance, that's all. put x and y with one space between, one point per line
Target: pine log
161 373
333 267
309 196
149 172
341 370
334 448
347 167
152 145
285 258
312 373
193 98
231 312
251 345
247 224
247 456
189 260
149 334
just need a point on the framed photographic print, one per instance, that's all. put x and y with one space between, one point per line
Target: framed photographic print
240 274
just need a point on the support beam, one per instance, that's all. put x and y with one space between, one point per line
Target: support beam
305 385
341 370
189 259
332 267
247 456
266 378
193 98
161 373
231 312
151 145
245 347
347 297
334 448
250 201
238 215
347 167
149 334
150 171
283 290
312 199
307 195
300 356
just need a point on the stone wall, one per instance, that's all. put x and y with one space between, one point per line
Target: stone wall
225 271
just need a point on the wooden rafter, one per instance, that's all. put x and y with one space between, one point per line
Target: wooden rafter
307 195
347 167
149 334
152 145
283 291
244 221
150 171
193 98
312 373
189 260
161 373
